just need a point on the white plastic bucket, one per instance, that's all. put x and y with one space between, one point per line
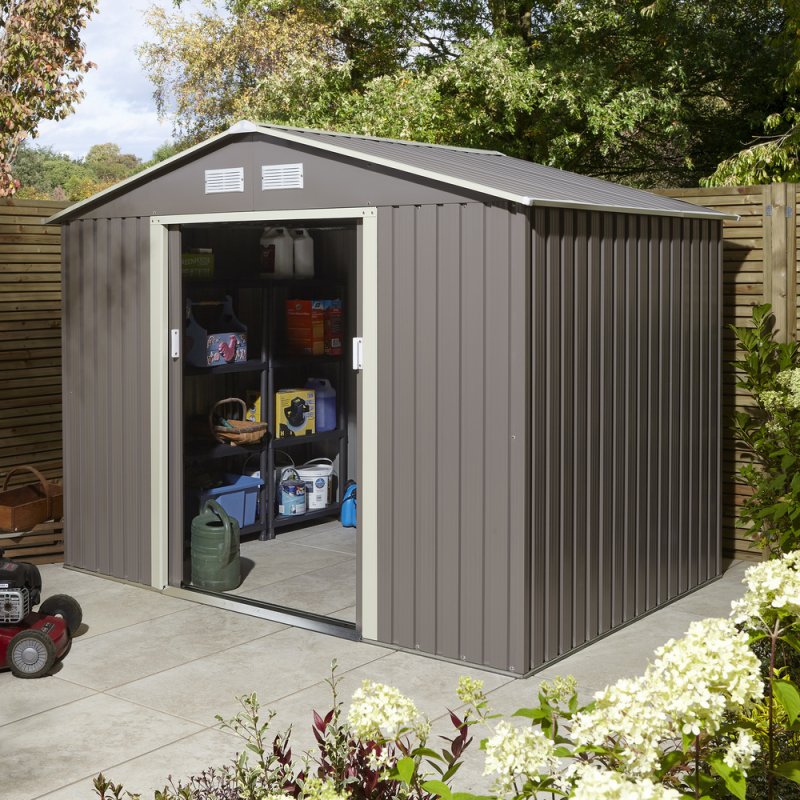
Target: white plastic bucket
316 474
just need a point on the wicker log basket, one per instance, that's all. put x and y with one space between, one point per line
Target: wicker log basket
24 507
237 431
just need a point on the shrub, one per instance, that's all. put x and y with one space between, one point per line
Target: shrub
769 371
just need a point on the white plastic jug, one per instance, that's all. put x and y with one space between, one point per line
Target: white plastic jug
303 254
277 253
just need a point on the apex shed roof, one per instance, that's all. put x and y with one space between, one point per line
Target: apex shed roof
485 171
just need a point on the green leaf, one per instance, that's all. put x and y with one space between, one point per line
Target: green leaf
789 770
735 782
669 761
439 788
405 769
533 713
788 696
468 796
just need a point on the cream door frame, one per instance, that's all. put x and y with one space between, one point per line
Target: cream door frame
368 411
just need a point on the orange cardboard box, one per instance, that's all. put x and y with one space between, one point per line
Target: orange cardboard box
305 327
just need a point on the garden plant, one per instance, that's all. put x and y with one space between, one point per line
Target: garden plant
716 714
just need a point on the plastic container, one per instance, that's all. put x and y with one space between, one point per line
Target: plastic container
303 254
325 412
216 564
317 475
277 253
239 498
291 494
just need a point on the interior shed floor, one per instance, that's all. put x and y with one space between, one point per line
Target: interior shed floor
136 698
307 569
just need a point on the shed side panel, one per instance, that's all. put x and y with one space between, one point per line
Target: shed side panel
107 397
453 544
625 345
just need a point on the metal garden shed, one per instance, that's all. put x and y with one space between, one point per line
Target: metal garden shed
534 410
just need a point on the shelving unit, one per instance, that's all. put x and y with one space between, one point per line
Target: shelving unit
272 366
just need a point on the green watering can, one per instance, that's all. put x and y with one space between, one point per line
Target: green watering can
215 549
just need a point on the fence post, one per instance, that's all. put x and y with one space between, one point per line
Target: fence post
780 257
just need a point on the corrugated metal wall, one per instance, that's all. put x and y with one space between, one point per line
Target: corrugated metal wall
625 419
453 441
107 396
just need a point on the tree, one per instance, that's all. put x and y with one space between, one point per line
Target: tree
42 63
646 93
774 155
45 174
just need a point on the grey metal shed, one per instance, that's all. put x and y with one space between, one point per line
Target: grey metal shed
537 437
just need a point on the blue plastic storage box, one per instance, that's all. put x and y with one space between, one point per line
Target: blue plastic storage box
239 497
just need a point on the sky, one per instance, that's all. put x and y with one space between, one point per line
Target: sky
118 106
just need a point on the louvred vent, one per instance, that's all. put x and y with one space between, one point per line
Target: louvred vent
225 180
281 176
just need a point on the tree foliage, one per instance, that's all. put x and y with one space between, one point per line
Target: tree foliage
42 63
44 174
647 93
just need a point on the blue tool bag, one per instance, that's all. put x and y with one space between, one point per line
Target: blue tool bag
349 505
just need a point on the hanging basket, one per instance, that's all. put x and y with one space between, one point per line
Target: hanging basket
237 431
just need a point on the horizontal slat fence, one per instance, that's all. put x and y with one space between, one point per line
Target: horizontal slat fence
30 355
760 265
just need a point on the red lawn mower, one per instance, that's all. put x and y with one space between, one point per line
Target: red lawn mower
31 642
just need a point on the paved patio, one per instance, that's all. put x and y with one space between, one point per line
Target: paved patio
137 696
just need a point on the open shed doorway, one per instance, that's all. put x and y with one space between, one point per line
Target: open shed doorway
286 360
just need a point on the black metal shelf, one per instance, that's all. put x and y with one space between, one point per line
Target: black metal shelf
256 527
251 365
304 361
273 360
208 451
311 438
297 519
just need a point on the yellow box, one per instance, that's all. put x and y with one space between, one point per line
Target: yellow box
197 264
295 413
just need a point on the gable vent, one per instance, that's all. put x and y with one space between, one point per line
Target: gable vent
225 180
281 176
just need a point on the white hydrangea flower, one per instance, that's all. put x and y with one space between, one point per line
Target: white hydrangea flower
709 671
600 784
470 690
741 753
378 711
789 397
517 752
317 789
771 584
689 687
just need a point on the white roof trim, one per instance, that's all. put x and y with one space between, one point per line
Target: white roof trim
245 126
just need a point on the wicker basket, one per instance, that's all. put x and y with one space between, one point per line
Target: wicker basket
240 431
24 507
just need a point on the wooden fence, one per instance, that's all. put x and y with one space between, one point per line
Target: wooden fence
30 354
760 266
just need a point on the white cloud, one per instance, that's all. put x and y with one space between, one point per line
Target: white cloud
118 106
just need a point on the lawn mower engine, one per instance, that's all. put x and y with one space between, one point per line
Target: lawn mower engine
20 590
32 641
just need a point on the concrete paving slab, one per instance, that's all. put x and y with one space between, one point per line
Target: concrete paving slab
138 695
151 771
273 667
64 744
22 698
134 652
119 605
